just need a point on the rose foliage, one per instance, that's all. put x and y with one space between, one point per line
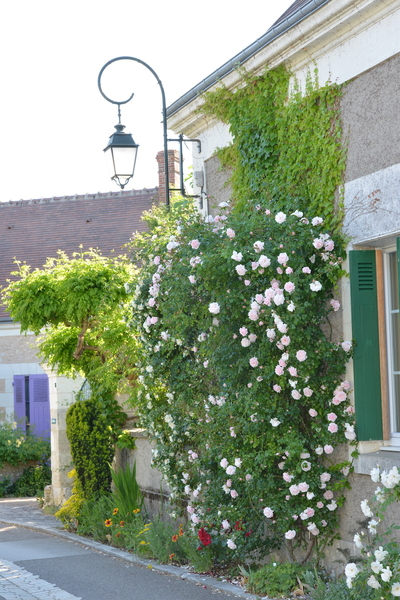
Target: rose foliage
241 389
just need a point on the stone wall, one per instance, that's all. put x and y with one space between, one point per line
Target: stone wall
150 480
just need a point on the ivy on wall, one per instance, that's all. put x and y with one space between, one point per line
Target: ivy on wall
285 149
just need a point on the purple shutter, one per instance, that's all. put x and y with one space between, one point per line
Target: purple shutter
39 405
19 401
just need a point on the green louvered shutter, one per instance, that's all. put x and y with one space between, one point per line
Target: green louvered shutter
364 315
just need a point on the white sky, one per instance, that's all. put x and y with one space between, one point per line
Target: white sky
54 123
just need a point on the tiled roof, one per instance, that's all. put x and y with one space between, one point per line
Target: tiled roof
292 8
33 230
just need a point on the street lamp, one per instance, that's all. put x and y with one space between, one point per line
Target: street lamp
121 149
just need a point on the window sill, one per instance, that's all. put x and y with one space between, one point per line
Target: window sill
384 459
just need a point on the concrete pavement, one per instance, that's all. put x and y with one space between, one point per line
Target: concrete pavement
54 559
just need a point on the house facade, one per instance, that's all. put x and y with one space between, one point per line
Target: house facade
355 43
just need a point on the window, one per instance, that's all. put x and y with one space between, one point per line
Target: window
393 342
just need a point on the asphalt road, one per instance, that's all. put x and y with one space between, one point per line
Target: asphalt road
31 560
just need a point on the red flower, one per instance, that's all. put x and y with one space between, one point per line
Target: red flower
248 533
238 526
204 537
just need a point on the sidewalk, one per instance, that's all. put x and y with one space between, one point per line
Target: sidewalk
25 512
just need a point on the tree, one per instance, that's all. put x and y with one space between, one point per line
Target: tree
79 308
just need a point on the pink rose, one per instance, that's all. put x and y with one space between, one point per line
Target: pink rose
279 370
329 245
277 388
303 487
306 270
195 244
308 392
280 217
328 495
301 355
268 512
296 395
320 505
285 340
288 478
335 305
292 371
253 362
289 535
282 258
328 449
230 233
318 243
312 412
331 417
294 490
234 494
243 331
332 427
253 315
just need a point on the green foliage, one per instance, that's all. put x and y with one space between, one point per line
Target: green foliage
71 509
236 437
92 441
127 496
275 580
286 147
16 447
334 590
32 482
92 516
5 484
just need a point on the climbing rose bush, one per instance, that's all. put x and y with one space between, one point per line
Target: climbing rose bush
241 388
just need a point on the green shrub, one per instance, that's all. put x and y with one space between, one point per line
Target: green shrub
32 482
5 484
275 580
90 434
17 447
70 510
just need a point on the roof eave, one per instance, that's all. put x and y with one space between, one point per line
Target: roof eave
246 54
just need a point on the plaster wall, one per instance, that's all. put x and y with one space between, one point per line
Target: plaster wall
17 357
371 119
150 480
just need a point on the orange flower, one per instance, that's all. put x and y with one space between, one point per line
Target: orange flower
122 523
108 522
118 534
181 532
171 556
115 511
136 511
174 538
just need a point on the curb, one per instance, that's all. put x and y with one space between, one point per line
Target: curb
203 580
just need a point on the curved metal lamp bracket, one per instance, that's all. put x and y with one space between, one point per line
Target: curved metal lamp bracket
164 110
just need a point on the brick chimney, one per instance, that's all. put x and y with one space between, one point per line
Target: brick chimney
173 169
